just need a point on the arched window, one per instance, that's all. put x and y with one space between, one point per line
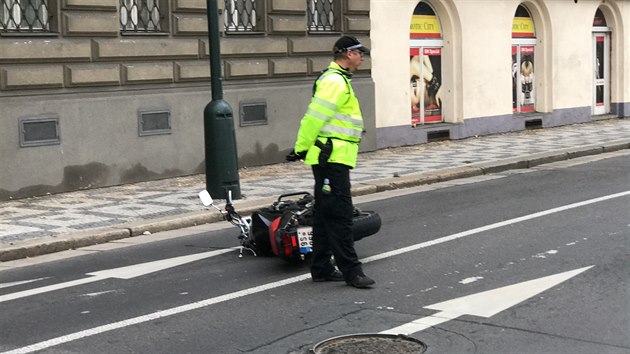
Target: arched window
523 55
425 61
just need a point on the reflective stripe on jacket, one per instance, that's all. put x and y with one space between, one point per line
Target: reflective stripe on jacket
333 113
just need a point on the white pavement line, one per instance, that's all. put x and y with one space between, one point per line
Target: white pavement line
8 285
48 288
423 323
490 227
155 315
277 284
127 272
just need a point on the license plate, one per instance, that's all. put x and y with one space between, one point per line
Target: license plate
305 239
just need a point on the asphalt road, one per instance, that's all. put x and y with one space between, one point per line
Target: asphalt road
565 227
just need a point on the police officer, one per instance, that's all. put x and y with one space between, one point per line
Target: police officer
328 139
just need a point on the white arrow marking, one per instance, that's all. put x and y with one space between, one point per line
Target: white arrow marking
484 304
127 272
8 285
141 269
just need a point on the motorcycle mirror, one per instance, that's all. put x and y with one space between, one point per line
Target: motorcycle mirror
205 197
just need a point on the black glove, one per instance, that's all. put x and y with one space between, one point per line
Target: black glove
294 156
433 86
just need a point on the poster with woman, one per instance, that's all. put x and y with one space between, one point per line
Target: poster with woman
426 84
527 78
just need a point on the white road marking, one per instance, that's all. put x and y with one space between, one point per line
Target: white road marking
484 304
443 316
100 293
470 280
492 227
15 283
127 272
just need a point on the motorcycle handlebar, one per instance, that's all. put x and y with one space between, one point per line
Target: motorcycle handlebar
293 194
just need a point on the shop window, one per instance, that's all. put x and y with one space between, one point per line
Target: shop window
140 16
425 62
24 16
322 15
241 16
523 61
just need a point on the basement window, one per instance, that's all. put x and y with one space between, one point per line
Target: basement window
154 122
438 135
39 131
253 113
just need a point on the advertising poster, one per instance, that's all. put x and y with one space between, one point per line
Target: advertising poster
515 78
527 78
599 71
426 71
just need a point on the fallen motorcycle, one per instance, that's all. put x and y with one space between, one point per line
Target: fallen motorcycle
284 229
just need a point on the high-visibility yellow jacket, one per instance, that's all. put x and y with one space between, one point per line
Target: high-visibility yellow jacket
333 113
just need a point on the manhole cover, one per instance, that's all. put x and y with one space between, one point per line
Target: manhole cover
370 343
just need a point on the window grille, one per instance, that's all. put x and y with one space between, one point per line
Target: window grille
321 15
240 15
24 16
140 16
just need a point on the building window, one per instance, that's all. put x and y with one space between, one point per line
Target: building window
321 15
154 122
240 15
523 61
39 131
140 16
24 16
253 113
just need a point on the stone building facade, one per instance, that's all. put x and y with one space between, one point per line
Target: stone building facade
104 92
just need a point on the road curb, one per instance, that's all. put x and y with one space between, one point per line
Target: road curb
24 249
38 247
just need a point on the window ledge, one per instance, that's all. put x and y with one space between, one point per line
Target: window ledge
244 33
29 34
144 34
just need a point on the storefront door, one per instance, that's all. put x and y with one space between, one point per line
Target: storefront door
425 66
601 73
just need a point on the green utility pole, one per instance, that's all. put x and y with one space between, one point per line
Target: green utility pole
220 139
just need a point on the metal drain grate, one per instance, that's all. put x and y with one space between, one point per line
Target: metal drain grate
370 344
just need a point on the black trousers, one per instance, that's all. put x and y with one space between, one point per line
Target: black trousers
332 223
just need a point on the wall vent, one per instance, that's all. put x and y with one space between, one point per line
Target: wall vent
438 135
533 124
39 131
154 122
253 113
